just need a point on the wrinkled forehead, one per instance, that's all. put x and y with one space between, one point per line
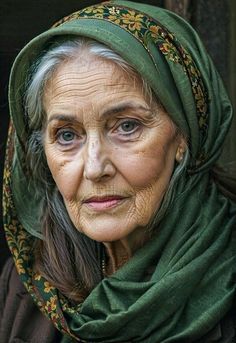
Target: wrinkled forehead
96 85
88 65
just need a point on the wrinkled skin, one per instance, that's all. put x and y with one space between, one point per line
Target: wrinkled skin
111 152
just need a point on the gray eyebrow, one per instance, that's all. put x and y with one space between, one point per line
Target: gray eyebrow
112 110
124 107
63 117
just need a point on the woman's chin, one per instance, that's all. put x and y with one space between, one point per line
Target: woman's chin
107 230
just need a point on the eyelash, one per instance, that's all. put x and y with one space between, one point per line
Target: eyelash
117 129
132 121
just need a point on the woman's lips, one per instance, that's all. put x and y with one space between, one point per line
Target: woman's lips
103 203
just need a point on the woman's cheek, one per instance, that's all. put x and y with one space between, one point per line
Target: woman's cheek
140 170
66 173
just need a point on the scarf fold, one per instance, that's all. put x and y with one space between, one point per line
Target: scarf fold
192 255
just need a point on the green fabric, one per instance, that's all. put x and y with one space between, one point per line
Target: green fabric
193 250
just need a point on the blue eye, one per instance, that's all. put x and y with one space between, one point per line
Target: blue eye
129 126
68 136
65 137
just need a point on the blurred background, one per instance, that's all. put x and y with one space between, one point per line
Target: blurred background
21 20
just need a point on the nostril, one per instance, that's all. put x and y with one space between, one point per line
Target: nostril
97 171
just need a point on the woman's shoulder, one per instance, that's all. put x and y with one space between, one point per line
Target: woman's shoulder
10 286
20 319
9 272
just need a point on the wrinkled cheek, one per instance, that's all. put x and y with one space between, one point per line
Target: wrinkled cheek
141 171
149 177
66 177
74 213
147 203
66 187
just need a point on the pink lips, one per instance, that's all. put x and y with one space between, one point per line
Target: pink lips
102 203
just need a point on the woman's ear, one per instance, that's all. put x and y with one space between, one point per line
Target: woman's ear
181 150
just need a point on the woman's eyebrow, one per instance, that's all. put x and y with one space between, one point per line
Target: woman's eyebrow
120 108
63 117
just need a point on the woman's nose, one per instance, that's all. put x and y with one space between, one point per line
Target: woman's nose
97 160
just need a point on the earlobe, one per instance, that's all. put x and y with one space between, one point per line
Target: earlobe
180 150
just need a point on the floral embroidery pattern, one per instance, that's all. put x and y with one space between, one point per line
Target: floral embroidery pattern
145 28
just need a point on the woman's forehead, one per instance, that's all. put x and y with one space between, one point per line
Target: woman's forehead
87 64
88 82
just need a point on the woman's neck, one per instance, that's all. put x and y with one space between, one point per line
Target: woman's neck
119 252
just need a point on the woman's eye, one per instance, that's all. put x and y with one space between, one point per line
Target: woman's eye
65 137
128 126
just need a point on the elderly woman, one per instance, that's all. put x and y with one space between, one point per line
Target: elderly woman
117 227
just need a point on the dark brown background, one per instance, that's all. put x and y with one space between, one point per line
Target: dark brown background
21 20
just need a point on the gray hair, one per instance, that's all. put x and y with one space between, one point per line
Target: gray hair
42 71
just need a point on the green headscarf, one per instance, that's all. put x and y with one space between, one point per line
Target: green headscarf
193 252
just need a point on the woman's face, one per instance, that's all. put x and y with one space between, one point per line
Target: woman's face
110 152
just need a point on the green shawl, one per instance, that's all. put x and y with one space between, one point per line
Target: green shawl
193 252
